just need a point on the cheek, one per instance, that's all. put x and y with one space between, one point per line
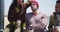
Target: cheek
58 9
31 7
34 7
19 1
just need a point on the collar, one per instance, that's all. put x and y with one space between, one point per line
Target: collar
36 12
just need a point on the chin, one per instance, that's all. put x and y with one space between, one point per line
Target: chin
34 9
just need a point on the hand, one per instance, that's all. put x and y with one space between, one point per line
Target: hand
18 23
55 30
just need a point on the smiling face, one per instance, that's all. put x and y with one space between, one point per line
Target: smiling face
57 8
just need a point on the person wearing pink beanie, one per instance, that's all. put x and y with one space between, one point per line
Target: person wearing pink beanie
36 20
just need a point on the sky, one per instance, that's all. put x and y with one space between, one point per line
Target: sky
45 6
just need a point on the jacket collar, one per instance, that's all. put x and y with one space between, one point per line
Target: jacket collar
55 17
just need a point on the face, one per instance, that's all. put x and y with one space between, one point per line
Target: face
57 8
34 7
19 1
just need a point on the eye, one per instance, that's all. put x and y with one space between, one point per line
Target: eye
33 4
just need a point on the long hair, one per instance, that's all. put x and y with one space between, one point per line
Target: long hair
13 4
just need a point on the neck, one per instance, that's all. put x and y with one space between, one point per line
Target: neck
34 12
57 13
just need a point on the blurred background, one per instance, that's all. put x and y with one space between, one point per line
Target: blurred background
45 6
1 15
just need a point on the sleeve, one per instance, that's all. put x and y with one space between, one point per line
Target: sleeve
44 22
26 19
50 24
10 15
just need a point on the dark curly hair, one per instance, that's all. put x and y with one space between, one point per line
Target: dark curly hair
58 1
13 4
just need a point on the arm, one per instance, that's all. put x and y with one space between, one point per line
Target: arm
44 22
50 24
26 19
10 13
10 16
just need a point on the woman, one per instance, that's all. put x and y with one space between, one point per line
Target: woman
17 12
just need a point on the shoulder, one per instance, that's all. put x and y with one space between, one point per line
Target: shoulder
44 15
27 14
52 15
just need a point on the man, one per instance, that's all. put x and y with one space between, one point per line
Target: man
55 19
36 20
16 13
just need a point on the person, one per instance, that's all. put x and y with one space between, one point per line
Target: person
36 20
16 13
55 19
